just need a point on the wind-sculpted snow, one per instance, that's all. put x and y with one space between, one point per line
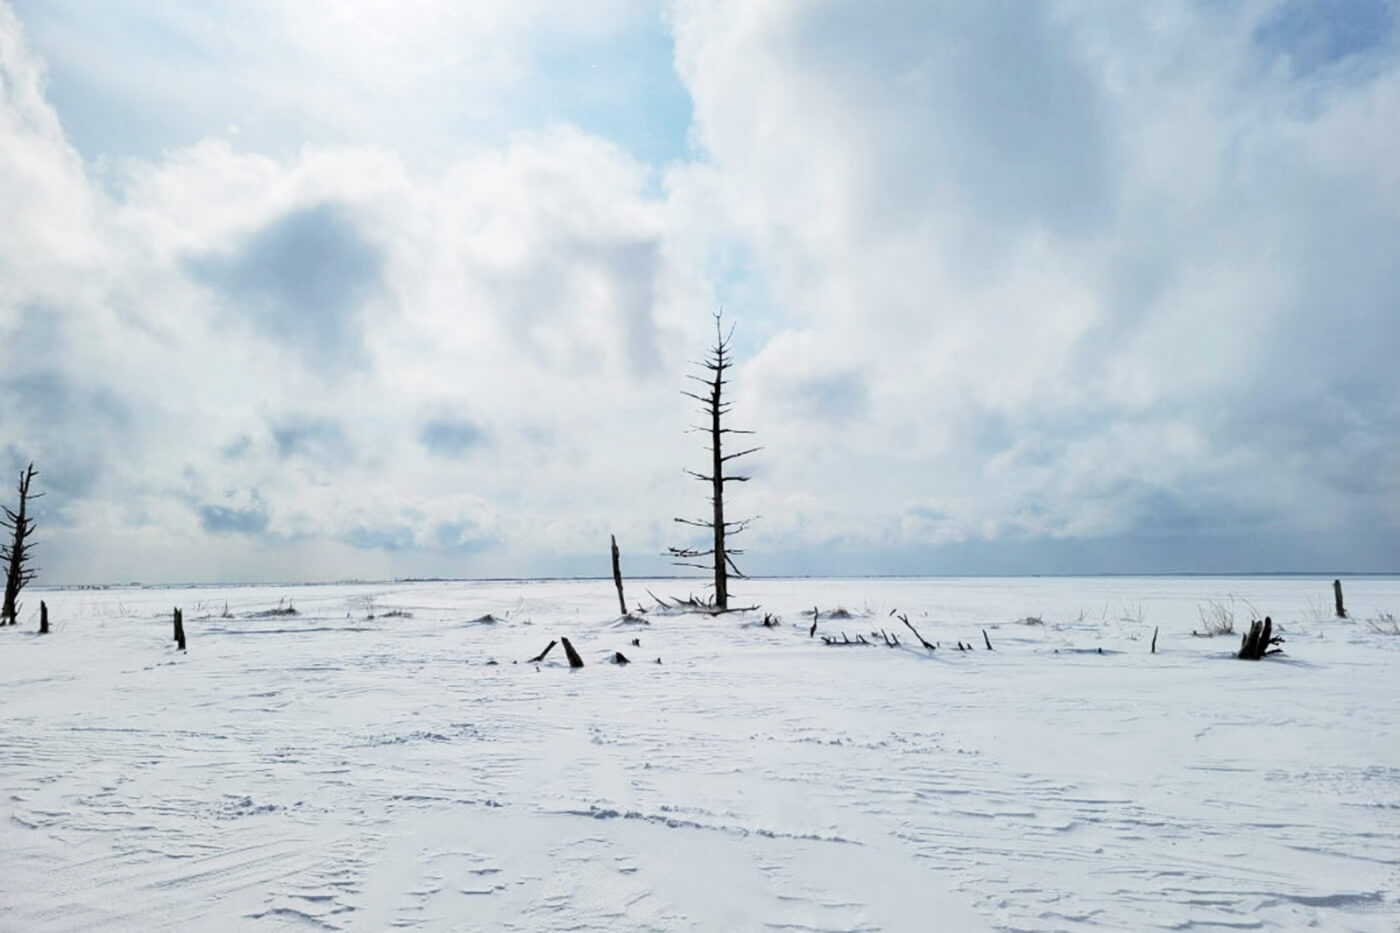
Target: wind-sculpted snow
387 758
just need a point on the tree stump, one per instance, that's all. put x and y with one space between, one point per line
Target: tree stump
574 659
43 617
179 629
1337 597
1255 643
617 575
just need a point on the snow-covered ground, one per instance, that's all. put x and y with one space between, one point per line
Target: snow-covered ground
327 770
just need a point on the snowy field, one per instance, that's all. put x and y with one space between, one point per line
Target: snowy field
332 771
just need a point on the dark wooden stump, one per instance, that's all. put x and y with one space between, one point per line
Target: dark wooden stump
179 629
1257 640
1154 640
1337 597
617 575
986 639
540 657
43 617
574 659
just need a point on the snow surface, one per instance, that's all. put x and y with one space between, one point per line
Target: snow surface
329 771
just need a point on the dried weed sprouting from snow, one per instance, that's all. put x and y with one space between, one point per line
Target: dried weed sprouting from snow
1319 610
1132 612
1384 624
1217 618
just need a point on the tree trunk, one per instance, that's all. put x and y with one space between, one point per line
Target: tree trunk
574 659
717 478
179 630
1337 596
43 617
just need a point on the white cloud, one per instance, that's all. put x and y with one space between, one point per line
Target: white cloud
1012 276
1083 266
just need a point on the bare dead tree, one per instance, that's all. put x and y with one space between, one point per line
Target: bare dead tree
17 554
714 408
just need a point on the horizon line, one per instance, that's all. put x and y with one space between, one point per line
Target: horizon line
190 584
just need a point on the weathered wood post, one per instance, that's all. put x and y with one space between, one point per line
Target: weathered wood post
574 659
43 617
617 575
1154 639
1337 596
179 630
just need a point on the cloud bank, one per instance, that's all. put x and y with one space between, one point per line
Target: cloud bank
1019 288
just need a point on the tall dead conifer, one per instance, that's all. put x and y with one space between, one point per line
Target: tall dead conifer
714 408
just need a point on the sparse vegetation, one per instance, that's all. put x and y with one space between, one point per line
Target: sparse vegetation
284 607
1218 618
1384 624
1132 612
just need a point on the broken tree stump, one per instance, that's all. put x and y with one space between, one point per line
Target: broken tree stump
1255 643
1154 639
1337 597
986 639
617 575
540 657
620 658
179 629
574 659
43 617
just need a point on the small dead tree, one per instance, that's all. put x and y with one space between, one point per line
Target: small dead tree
717 362
17 553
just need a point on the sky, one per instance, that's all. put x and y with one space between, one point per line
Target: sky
341 289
